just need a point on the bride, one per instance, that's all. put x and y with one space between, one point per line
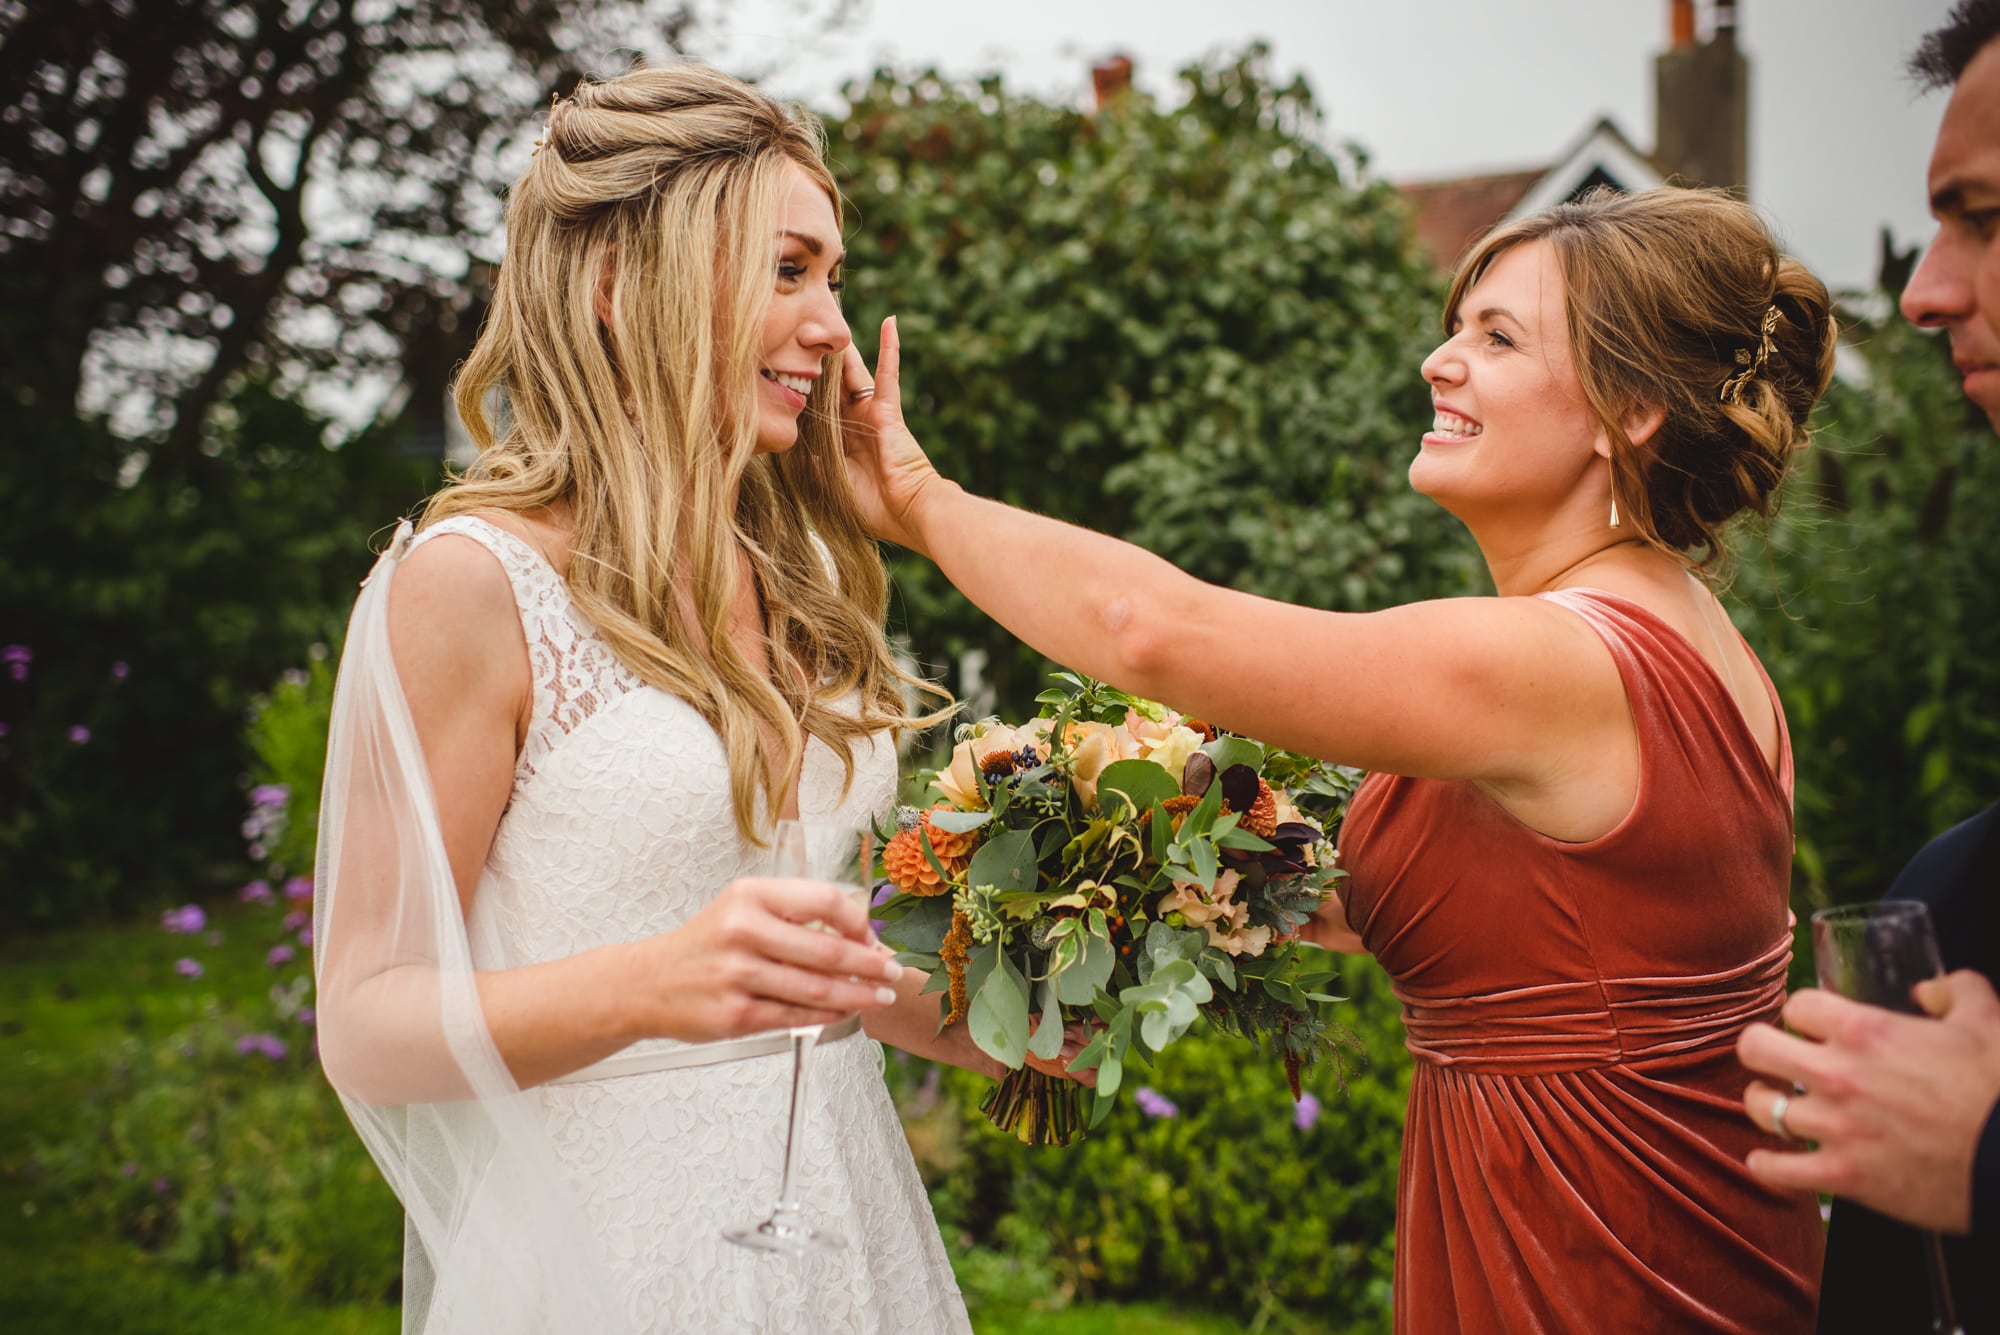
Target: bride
643 626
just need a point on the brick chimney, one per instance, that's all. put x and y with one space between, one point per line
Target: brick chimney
1701 101
1111 79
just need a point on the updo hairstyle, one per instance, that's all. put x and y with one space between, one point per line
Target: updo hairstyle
1680 300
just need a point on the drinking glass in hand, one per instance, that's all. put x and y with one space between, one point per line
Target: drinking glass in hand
1878 953
821 851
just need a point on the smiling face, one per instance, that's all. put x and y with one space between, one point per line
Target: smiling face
1511 423
1957 287
803 326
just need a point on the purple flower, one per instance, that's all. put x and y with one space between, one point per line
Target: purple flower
128 1169
185 920
78 734
161 1186
256 851
253 825
280 956
1305 1112
296 919
187 968
18 671
307 1016
17 653
120 670
270 795
306 935
3 729
299 887
268 1046
1154 1104
257 892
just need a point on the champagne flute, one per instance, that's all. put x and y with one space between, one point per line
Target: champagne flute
1878 953
824 850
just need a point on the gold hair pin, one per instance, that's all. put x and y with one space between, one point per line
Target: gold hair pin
1732 388
541 140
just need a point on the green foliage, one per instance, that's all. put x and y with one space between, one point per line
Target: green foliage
1196 327
287 738
1225 1204
187 1116
226 1162
205 576
1873 602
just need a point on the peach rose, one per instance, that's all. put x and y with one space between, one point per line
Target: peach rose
1097 746
959 782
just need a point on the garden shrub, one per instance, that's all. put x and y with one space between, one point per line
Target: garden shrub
223 1148
1208 1191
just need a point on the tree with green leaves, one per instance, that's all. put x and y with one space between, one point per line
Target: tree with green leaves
1197 326
1874 601
211 207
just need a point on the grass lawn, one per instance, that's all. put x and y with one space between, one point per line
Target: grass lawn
66 998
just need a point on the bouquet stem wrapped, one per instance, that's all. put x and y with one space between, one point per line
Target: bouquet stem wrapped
1115 863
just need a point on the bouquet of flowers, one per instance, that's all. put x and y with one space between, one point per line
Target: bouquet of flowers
1116 863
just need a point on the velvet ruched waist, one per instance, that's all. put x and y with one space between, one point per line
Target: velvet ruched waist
1581 1025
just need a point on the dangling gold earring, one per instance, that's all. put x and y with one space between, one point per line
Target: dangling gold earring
1614 509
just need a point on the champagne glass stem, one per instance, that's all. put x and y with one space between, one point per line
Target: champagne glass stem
1945 1320
802 1042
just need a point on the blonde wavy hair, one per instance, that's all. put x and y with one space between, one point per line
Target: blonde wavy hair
663 185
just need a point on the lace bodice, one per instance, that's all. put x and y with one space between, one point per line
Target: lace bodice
620 826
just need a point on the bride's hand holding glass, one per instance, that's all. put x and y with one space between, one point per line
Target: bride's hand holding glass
767 953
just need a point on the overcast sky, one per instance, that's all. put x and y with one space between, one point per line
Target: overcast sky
1430 88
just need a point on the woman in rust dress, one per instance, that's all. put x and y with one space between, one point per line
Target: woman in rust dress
1572 855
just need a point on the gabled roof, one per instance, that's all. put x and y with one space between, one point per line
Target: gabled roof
1452 215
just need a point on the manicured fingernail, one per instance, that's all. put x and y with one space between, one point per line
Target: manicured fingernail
892 971
886 995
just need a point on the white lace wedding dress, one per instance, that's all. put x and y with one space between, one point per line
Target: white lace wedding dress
620 826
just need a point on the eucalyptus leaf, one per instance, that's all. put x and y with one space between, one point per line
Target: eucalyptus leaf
1228 752
1138 784
959 822
1006 862
1079 982
920 928
998 1016
1048 1037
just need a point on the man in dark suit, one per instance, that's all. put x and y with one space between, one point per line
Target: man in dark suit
1905 1110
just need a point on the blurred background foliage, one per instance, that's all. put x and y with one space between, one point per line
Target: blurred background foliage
1195 325
1193 322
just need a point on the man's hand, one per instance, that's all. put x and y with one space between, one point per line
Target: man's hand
1895 1102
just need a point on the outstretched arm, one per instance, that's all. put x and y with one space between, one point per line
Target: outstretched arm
1506 690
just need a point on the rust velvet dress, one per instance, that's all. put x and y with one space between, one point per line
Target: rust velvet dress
1573 1156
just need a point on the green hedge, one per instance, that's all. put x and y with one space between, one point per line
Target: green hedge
1227 1204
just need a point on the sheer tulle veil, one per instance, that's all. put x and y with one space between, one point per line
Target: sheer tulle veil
495 1240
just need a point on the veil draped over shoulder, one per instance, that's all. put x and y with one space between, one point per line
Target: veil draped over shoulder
495 1239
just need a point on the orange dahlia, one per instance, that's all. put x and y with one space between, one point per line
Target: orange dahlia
946 845
904 863
1262 818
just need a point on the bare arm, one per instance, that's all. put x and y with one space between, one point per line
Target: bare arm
1509 691
746 963
912 1025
